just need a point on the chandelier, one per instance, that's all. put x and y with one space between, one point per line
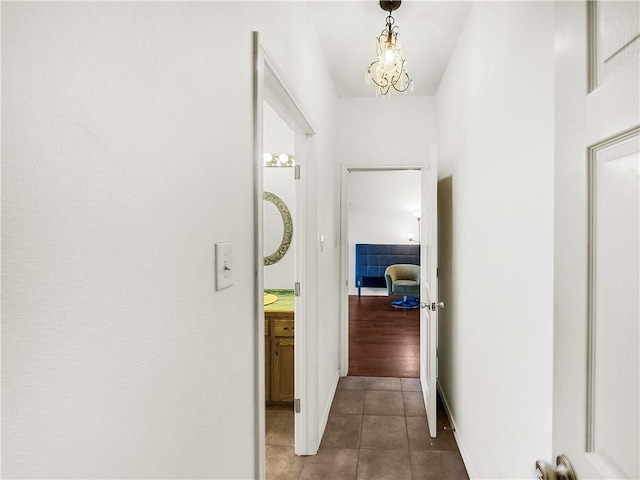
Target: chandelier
389 71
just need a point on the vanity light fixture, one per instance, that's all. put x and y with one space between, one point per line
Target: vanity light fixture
278 160
389 71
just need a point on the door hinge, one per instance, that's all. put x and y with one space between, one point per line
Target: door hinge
296 289
296 405
296 172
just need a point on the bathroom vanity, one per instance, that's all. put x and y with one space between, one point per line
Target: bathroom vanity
279 347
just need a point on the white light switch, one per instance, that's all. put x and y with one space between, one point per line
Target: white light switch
224 266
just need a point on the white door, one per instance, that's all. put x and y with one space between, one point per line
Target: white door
429 291
596 288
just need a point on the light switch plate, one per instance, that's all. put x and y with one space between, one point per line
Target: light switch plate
224 265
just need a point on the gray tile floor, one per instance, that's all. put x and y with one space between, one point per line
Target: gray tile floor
377 429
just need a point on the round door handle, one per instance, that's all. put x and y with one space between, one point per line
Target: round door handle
563 470
432 306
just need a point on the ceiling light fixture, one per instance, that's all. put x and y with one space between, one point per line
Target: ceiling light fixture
389 71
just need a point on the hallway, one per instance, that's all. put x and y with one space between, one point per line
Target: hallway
377 429
132 347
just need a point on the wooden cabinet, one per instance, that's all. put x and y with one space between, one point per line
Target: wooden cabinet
282 369
279 357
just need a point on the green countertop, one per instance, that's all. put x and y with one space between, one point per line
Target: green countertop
284 302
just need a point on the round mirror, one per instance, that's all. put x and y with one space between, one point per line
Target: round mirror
277 219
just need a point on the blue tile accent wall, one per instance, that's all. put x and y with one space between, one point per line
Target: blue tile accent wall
373 259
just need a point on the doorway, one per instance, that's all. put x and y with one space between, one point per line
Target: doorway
279 278
381 210
270 86
428 255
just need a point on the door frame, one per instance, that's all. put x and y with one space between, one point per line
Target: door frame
270 85
344 255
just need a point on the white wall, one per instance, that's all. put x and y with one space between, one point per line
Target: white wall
126 156
277 136
495 139
391 131
380 209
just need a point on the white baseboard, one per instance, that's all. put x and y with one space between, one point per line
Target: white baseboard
456 435
370 292
325 414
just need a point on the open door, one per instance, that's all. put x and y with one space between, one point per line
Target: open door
429 303
596 407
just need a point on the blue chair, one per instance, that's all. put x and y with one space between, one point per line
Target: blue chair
403 279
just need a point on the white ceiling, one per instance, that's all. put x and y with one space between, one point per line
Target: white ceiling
428 31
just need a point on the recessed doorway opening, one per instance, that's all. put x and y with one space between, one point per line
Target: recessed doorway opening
382 227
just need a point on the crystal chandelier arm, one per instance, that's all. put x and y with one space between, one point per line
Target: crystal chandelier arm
403 74
383 84
408 83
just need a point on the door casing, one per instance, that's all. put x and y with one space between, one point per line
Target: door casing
344 251
425 333
270 85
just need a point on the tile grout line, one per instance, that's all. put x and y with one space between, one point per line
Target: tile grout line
406 426
360 449
360 433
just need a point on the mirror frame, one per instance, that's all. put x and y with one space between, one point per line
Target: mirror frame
287 224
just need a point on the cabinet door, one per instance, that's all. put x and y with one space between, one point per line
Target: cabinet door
282 359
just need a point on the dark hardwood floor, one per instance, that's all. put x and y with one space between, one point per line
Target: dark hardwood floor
383 341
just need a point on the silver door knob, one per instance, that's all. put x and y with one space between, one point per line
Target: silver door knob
562 471
432 306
